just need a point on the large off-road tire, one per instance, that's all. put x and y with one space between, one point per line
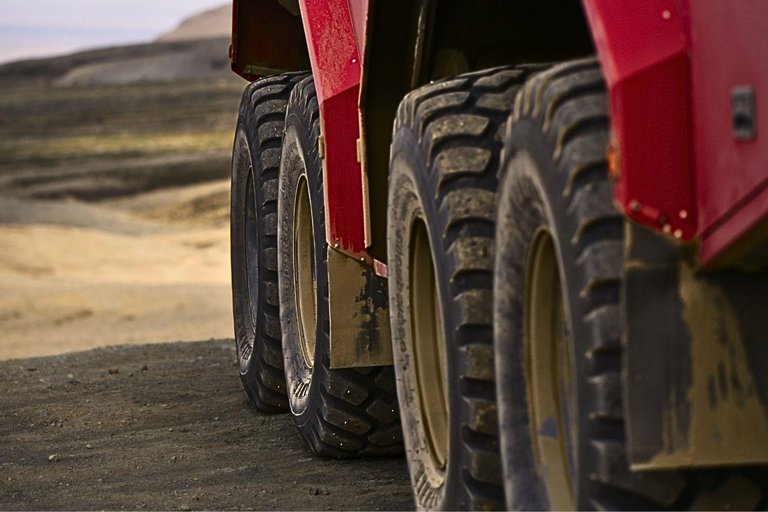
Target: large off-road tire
444 160
255 165
341 412
558 266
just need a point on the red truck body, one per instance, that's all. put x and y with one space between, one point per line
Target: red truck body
671 67
728 48
667 300
335 57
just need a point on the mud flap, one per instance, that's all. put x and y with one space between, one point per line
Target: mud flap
695 387
359 307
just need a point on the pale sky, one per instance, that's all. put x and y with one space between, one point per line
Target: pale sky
40 28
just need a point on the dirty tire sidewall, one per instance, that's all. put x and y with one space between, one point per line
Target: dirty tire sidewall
519 222
298 373
255 165
443 175
346 412
301 160
431 484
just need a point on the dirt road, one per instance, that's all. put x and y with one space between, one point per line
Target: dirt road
165 427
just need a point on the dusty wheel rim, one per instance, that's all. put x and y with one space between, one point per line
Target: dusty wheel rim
305 281
251 233
429 348
250 255
549 370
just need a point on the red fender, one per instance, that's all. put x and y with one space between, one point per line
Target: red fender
266 39
672 68
337 69
644 53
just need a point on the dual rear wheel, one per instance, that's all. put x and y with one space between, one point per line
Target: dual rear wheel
280 281
443 182
527 251
505 260
559 263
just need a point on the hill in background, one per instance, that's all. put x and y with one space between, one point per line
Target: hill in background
114 196
209 24
198 49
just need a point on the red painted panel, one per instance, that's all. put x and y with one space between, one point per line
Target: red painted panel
729 43
644 51
744 218
332 46
336 68
359 11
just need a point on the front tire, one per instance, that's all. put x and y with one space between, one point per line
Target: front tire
255 164
350 412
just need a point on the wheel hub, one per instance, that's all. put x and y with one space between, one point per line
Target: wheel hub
429 345
549 373
251 244
305 281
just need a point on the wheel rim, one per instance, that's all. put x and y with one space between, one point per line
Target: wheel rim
429 346
549 373
251 233
305 284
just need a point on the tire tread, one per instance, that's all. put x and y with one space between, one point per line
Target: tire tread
457 123
570 105
262 110
353 414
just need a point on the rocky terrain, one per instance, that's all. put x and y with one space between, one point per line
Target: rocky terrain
114 214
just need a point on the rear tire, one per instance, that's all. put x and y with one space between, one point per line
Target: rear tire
445 154
558 233
255 164
350 412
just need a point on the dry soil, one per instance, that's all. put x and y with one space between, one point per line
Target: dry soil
165 427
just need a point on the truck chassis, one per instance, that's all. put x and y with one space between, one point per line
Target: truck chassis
524 242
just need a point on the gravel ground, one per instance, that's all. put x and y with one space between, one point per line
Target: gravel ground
165 427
